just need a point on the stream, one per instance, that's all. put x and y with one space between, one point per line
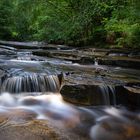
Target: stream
65 93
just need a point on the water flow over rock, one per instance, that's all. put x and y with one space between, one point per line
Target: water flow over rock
31 116
96 94
31 83
108 94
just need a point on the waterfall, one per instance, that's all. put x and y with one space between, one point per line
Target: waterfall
32 83
108 94
112 94
96 62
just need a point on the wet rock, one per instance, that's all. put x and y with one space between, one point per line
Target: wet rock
134 55
86 60
61 78
7 52
119 54
121 51
24 45
66 55
8 48
69 56
115 130
3 75
42 53
128 63
124 52
100 94
101 71
128 95
87 94
22 124
76 94
57 47
33 130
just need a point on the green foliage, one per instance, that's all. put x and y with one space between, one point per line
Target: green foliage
90 22
5 19
124 25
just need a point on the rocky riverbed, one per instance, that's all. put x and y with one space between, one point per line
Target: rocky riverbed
61 92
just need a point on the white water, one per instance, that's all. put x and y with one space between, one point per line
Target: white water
46 107
108 94
31 83
52 108
96 62
99 123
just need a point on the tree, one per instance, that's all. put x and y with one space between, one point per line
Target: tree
5 19
84 22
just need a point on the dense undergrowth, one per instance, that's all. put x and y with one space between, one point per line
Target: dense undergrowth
114 23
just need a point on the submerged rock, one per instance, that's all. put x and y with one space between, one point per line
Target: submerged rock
48 118
115 130
21 125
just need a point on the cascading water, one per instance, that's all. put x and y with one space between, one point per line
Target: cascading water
48 117
112 94
96 62
31 83
108 94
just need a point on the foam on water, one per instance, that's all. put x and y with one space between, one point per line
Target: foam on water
50 106
31 83
95 122
7 100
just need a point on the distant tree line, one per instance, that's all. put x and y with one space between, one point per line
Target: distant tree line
113 23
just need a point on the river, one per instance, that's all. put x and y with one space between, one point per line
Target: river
63 93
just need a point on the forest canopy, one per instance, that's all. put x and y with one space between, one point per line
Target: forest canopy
81 22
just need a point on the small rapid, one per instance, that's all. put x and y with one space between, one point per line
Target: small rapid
32 106
108 94
31 83
95 123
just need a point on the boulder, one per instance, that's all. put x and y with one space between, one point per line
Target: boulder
100 94
128 95
87 94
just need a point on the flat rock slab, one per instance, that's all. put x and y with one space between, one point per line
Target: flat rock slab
100 94
121 62
86 94
129 95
